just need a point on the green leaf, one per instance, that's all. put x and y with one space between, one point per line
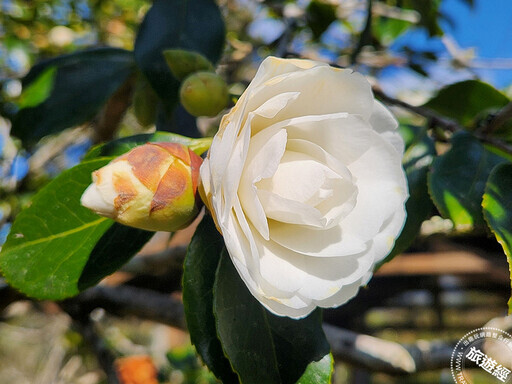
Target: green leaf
318 371
39 90
386 29
118 147
418 156
319 15
198 278
262 347
145 102
428 11
116 246
466 100
83 83
56 247
457 180
192 25
497 208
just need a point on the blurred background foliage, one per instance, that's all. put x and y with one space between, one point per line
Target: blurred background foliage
69 80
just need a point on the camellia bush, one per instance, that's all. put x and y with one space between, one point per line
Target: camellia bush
307 185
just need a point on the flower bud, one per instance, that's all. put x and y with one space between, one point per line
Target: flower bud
204 94
152 187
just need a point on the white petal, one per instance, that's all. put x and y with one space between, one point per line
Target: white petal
289 211
381 119
298 177
383 122
93 199
263 157
323 90
311 277
346 293
321 243
275 66
385 239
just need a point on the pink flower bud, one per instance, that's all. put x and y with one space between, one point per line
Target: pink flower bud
152 187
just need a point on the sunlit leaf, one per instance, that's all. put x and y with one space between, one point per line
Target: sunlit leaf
466 100
457 180
318 371
56 247
39 90
497 208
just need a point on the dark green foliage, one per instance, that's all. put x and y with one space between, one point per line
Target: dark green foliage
83 82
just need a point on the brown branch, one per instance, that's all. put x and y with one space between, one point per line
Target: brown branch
159 263
366 35
113 111
125 300
369 352
504 115
434 118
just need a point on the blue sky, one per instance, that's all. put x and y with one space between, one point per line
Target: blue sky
486 27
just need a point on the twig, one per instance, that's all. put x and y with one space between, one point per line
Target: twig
113 111
434 118
159 263
499 119
126 300
366 34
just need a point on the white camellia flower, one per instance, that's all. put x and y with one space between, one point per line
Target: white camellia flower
305 182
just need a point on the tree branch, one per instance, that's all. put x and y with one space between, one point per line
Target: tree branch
433 117
378 355
501 118
366 35
126 300
365 351
159 263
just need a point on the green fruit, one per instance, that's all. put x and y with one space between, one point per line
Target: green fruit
183 63
204 94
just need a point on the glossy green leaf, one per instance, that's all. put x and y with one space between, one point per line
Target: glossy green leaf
418 156
457 180
318 371
56 247
123 145
39 90
192 25
262 347
497 208
83 83
201 262
466 100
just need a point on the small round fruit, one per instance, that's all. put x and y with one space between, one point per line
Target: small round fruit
204 94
